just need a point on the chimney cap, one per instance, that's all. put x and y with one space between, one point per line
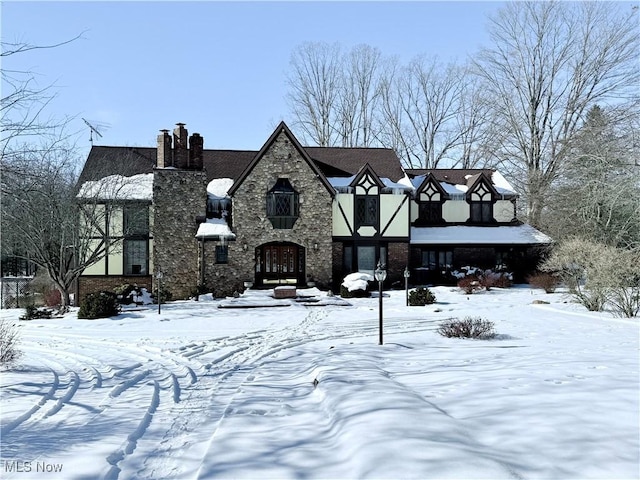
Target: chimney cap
180 124
164 130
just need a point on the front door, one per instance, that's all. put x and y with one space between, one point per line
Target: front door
280 264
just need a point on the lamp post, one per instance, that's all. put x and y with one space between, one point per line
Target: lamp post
159 276
406 283
380 274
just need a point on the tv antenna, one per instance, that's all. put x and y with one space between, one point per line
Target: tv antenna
94 128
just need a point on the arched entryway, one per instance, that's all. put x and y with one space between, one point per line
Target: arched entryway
280 263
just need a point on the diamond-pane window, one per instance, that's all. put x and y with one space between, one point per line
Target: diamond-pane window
282 204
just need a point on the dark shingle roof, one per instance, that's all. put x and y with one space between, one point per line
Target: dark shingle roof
331 161
383 161
453 176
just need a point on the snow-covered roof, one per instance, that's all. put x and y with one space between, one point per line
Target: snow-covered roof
343 182
118 187
215 228
468 235
501 185
218 187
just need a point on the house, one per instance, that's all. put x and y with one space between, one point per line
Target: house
290 215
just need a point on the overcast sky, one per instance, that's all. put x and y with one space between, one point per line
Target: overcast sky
219 67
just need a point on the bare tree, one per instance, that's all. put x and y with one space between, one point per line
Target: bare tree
427 111
315 82
358 96
23 101
422 113
551 61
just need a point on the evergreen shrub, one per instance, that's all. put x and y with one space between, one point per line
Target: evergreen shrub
421 296
99 305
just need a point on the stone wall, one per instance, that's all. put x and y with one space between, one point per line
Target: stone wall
179 196
253 228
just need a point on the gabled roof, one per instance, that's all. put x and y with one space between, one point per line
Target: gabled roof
479 178
464 178
281 129
431 179
366 170
103 161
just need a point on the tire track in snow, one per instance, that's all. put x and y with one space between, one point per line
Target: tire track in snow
116 458
7 428
225 375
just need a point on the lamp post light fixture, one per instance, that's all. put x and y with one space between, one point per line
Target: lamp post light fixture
159 276
380 274
406 283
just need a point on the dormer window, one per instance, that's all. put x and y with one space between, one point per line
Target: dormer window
430 197
481 202
367 200
282 204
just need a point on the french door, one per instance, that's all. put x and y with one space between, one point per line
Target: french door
280 263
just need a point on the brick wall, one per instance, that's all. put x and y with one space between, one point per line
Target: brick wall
397 258
93 284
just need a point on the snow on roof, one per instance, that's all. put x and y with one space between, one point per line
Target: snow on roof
119 187
215 228
453 189
218 187
502 235
500 183
403 183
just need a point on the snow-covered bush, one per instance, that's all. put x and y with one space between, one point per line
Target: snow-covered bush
9 340
471 279
421 296
128 294
470 327
99 305
356 285
469 284
31 312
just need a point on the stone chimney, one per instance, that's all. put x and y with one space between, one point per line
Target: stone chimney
196 146
164 156
180 148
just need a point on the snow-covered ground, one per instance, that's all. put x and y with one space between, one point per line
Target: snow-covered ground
205 392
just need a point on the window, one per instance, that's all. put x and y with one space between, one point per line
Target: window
481 212
368 257
136 220
429 213
437 260
136 257
282 204
366 211
481 205
222 253
429 205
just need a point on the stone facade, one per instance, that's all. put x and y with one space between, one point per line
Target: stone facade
179 196
312 230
